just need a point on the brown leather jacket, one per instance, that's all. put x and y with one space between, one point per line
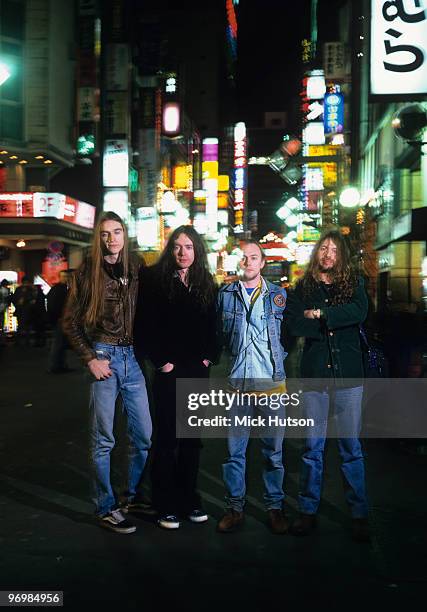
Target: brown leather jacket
116 323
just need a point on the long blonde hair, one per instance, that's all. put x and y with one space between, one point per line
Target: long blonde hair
90 295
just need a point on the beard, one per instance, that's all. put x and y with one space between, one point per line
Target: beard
327 268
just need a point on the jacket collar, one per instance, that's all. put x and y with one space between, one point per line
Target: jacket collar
271 287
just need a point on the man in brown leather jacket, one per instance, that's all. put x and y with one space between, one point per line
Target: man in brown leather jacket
98 320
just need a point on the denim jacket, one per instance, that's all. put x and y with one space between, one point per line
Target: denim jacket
232 322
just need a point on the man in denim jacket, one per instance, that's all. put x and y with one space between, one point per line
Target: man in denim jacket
250 312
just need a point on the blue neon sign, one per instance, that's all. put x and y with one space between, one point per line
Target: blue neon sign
334 113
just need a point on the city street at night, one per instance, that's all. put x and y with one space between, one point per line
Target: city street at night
49 540
213 305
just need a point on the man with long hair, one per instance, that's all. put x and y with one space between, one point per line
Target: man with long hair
251 315
175 328
327 308
99 323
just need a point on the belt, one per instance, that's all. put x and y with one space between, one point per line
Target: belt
126 341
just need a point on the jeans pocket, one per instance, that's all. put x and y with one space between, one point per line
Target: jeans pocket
103 354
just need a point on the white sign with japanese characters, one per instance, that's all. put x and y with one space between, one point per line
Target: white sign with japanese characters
398 47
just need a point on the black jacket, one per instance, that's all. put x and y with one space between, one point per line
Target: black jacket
332 343
172 329
56 299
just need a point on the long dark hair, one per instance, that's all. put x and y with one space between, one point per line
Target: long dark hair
200 279
343 276
91 295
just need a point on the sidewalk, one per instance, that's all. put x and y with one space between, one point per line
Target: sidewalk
48 539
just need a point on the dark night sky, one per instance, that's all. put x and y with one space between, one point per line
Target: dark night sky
270 33
269 51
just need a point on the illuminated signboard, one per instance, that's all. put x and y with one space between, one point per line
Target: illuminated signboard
210 149
398 59
200 223
117 200
223 182
314 110
147 227
303 253
334 113
211 188
182 177
53 205
314 133
240 176
171 120
316 86
223 217
210 182
116 163
314 179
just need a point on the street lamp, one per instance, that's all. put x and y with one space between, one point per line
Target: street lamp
4 73
350 197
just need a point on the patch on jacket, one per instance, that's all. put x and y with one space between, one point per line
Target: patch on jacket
279 300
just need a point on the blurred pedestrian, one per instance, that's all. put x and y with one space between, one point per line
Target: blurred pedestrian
30 311
251 316
5 298
56 299
98 321
326 308
175 328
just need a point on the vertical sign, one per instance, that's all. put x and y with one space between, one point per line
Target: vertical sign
210 182
240 177
334 113
398 47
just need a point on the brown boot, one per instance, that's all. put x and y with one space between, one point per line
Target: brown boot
231 521
278 522
304 524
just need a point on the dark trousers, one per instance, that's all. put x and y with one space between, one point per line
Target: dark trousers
58 350
175 462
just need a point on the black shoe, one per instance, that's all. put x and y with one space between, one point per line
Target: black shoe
198 516
360 530
168 521
115 521
304 524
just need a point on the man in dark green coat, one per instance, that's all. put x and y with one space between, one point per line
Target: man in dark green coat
326 308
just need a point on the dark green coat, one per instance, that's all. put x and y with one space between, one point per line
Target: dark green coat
332 344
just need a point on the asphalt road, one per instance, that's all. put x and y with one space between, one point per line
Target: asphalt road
48 539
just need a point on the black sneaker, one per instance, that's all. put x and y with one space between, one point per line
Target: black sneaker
115 521
198 516
139 508
168 521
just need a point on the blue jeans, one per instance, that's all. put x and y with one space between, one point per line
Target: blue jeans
128 380
347 416
234 469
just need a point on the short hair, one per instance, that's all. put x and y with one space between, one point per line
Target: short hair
26 279
256 243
